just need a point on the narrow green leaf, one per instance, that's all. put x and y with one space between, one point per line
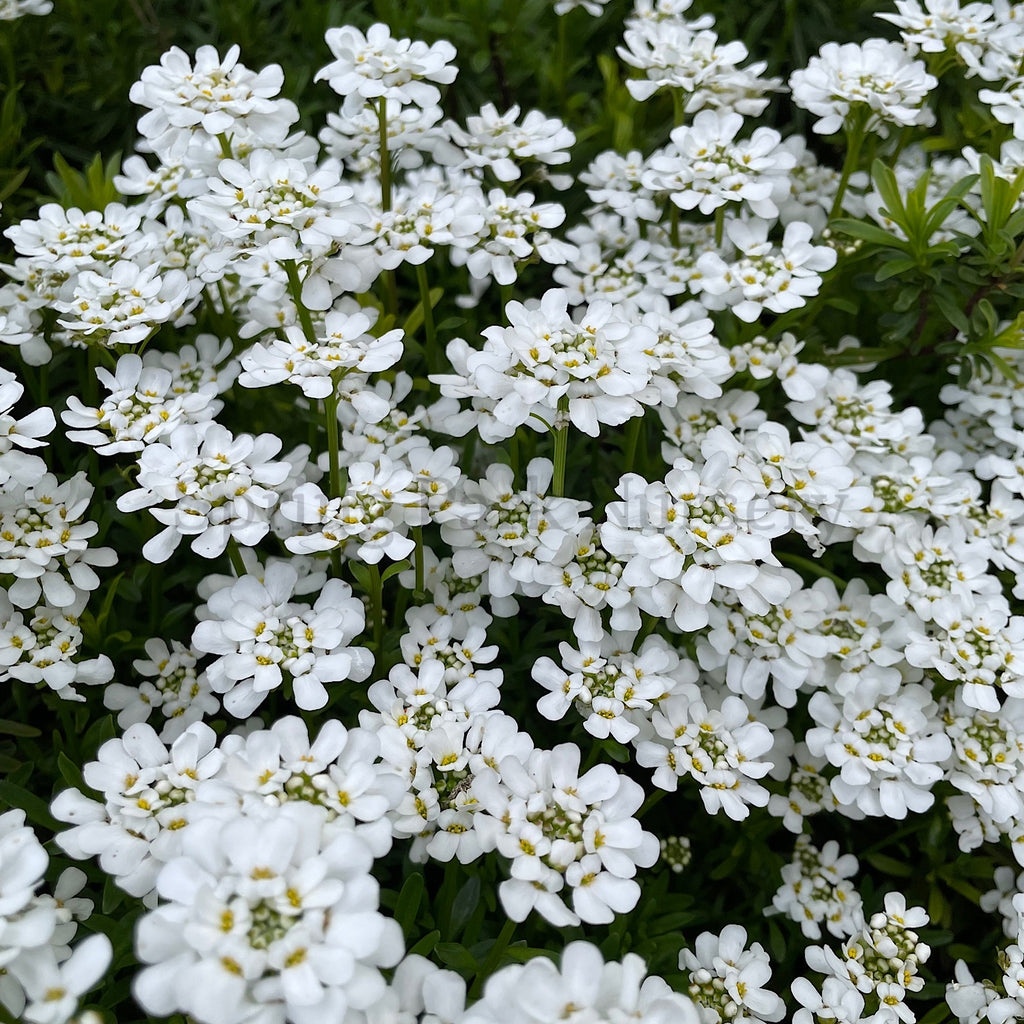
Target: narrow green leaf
895 267
456 956
70 772
112 898
36 809
10 728
868 232
426 945
394 570
466 901
950 308
408 904
888 188
889 865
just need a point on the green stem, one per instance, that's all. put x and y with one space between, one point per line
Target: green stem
854 140
560 58
493 957
417 536
429 330
678 107
561 453
236 558
650 624
333 447
468 452
390 293
513 455
225 146
632 440
385 157
295 290
376 595
653 799
334 479
506 298
719 226
228 317
809 565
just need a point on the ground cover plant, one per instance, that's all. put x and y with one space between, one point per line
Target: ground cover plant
512 513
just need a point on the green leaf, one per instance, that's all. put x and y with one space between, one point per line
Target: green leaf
937 1015
868 232
456 956
895 267
426 945
361 573
394 570
70 772
951 310
409 899
10 728
113 897
467 899
888 188
36 809
889 865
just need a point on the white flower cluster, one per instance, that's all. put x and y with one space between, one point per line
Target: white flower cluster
43 976
46 563
874 972
996 1002
726 978
675 595
816 890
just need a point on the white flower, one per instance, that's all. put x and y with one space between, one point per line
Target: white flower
926 565
72 240
719 748
707 168
207 484
345 344
44 541
215 95
816 889
377 509
697 528
265 640
276 207
266 913
978 645
763 277
583 987
423 216
12 9
375 66
545 816
988 748
678 56
726 978
54 989
888 750
496 142
148 802
46 649
876 79
595 369
983 46
182 696
125 305
515 229
145 404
